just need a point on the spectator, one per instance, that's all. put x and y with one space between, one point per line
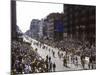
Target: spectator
54 67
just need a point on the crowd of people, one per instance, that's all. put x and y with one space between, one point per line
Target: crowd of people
83 49
25 60
51 66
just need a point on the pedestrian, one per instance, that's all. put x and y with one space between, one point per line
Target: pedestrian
49 59
53 54
54 67
76 61
64 62
61 54
58 53
50 66
26 69
83 61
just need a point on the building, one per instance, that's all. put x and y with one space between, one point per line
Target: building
33 32
34 27
80 22
55 26
45 28
16 33
41 24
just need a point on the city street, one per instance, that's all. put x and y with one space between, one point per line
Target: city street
53 40
59 61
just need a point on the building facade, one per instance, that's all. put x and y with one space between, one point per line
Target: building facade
33 32
41 24
80 22
55 26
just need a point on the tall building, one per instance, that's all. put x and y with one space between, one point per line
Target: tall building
45 28
41 24
80 22
55 26
34 29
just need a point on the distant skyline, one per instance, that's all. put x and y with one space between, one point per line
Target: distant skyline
26 11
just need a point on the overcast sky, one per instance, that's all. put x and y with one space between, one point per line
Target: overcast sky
26 11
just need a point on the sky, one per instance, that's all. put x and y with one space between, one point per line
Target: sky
26 11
